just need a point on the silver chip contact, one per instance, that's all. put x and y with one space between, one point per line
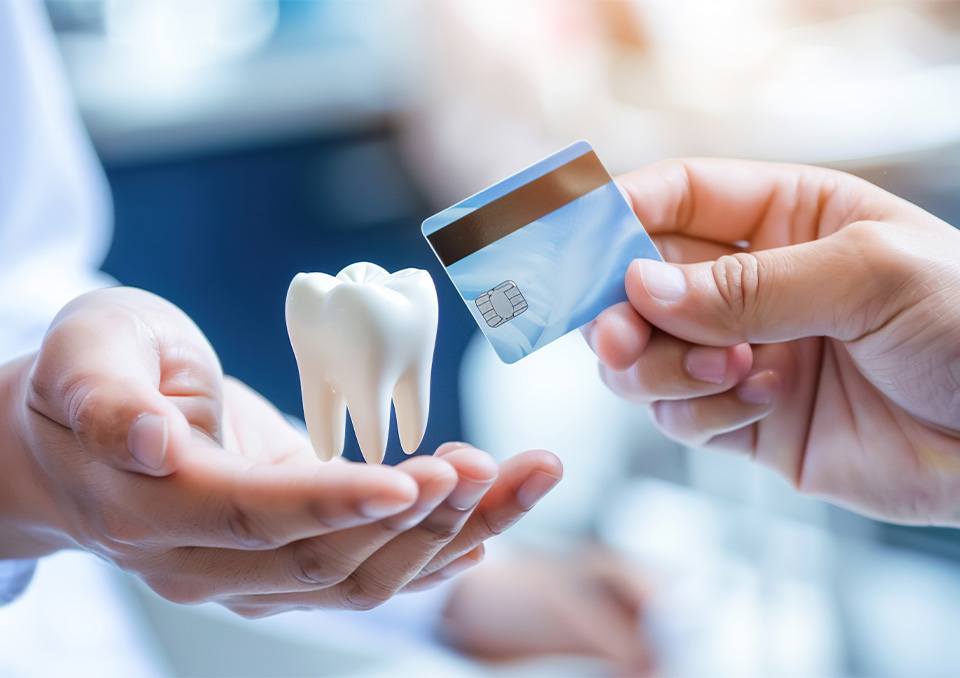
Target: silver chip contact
502 303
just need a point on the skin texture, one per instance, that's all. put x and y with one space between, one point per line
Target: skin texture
811 321
122 437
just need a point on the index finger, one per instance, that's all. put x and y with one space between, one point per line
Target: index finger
221 501
765 204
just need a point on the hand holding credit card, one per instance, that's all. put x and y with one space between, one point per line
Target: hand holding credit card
542 252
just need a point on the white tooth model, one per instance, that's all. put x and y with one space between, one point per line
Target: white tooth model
361 338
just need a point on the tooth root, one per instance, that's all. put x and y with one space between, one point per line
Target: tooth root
411 401
325 412
370 414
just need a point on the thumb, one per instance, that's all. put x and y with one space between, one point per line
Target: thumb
841 286
129 377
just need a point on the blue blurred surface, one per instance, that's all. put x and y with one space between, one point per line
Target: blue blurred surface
222 235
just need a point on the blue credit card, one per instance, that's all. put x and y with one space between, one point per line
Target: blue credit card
542 252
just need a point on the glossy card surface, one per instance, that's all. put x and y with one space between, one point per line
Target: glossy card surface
542 252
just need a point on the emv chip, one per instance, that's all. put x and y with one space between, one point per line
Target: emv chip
504 302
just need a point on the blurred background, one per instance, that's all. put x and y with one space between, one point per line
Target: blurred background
247 140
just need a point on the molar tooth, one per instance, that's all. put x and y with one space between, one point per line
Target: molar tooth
360 338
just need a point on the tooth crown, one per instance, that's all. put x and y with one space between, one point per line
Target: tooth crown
361 338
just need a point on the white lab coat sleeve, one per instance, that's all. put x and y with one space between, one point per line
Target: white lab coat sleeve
54 202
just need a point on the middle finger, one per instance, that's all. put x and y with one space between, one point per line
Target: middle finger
670 369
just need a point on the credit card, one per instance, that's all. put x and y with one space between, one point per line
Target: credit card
542 252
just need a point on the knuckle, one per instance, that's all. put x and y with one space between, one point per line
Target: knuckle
245 530
367 596
55 379
91 409
737 279
50 390
494 526
441 532
85 408
311 566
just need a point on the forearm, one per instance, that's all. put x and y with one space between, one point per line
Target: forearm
30 524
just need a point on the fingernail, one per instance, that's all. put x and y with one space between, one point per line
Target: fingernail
535 488
381 507
759 389
147 440
467 493
661 280
706 364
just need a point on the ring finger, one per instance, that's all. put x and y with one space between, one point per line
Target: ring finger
696 421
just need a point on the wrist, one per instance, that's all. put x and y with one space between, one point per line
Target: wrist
31 524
